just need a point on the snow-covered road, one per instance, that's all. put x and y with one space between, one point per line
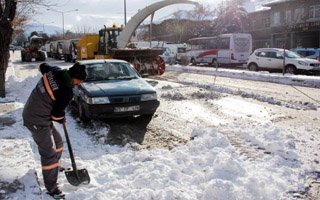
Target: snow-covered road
211 138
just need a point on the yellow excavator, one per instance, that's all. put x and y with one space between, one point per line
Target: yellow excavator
105 46
111 42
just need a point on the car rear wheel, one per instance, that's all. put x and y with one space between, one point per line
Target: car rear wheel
291 69
253 67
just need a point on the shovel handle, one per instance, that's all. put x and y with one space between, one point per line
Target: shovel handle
74 167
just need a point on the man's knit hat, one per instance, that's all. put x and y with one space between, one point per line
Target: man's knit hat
78 71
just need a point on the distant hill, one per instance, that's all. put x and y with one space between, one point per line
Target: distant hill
48 29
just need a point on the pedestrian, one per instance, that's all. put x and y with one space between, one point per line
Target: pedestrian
47 103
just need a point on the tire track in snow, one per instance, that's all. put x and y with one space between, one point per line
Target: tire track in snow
245 148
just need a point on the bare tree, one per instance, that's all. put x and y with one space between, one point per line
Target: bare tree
182 26
231 17
7 14
13 15
200 17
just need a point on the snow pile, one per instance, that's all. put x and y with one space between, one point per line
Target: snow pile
206 168
298 80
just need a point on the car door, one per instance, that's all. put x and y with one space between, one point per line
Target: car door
261 59
274 60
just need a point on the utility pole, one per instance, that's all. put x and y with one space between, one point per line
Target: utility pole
125 12
62 15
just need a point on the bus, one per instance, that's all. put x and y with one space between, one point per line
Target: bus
226 49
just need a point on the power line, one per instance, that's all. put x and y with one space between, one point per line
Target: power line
306 94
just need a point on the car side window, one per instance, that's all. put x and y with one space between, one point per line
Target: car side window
261 54
303 53
311 53
271 54
279 55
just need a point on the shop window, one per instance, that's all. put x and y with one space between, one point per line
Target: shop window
298 14
266 22
255 24
288 16
314 12
276 18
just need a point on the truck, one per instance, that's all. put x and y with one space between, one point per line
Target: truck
32 49
172 51
56 49
104 46
69 50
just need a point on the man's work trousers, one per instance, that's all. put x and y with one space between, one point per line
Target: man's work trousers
50 149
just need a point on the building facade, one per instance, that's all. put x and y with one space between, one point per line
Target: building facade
287 23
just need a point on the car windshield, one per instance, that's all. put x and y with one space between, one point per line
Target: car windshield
110 70
291 54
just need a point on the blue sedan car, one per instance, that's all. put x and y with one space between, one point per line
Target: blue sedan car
113 89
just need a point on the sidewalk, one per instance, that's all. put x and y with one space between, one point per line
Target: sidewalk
17 170
18 178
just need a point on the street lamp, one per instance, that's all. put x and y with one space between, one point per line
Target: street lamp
62 14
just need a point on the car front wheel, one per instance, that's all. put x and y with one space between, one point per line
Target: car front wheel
291 69
82 112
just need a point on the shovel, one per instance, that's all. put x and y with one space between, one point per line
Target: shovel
75 176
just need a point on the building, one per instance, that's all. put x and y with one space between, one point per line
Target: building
287 23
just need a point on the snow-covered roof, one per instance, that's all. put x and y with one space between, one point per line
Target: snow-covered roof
256 6
276 2
261 9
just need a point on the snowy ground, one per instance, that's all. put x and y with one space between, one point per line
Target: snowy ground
250 142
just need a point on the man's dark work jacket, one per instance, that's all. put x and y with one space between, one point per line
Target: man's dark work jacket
49 98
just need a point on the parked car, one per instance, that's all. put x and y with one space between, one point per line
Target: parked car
272 59
14 47
113 89
308 53
168 56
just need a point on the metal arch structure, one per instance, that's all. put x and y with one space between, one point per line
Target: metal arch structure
138 18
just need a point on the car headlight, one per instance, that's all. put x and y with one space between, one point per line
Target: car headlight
303 63
97 100
149 97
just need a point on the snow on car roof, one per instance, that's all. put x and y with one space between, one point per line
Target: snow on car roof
100 61
274 49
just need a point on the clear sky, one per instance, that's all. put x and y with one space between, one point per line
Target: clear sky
96 13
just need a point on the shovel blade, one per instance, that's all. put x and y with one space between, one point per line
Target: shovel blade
78 177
